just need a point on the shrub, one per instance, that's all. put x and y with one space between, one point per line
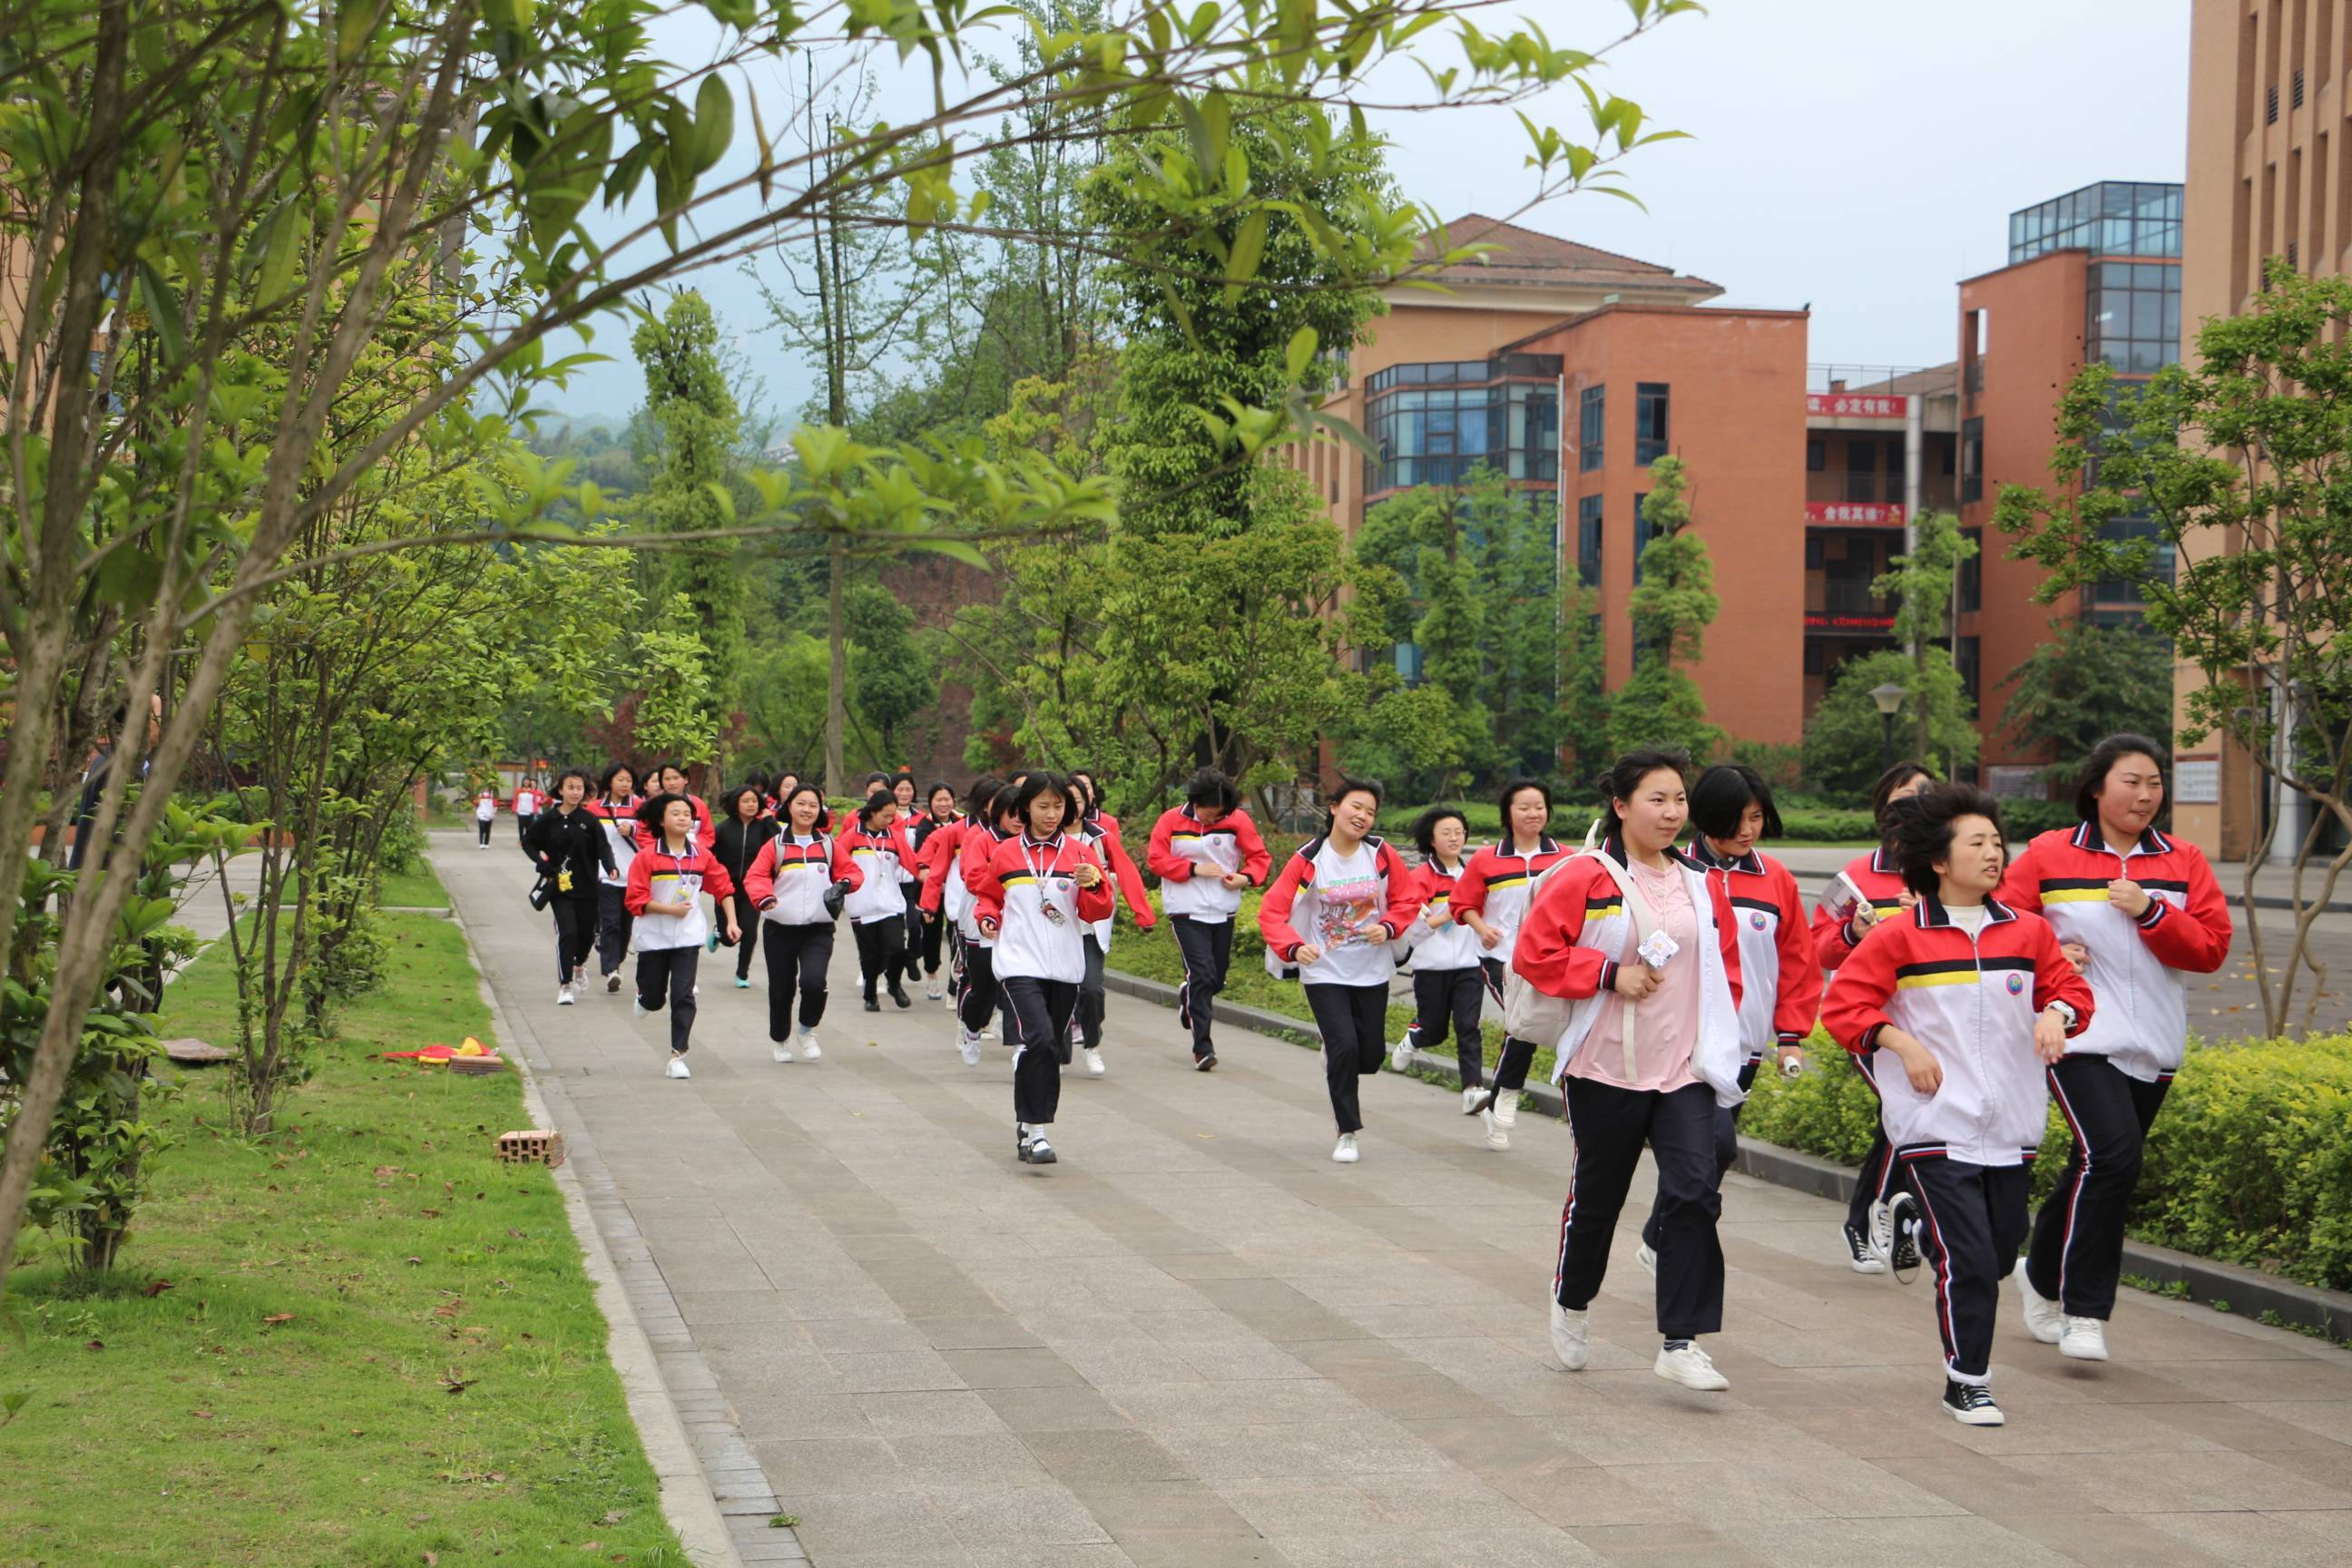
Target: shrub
2250 1160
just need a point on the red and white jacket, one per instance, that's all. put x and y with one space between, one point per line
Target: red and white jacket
1181 844
1302 906
1870 879
971 858
619 821
1449 946
1971 1001
937 863
881 862
787 882
1101 833
2136 966
1495 885
1020 881
1577 924
660 876
1779 978
706 833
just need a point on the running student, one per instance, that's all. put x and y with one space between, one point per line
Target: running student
666 881
878 913
743 832
1973 998
1204 853
923 932
1638 939
1779 983
1034 897
486 812
616 811
2138 911
1491 898
567 844
799 894
1868 891
1342 897
526 806
671 779
1101 831
957 861
1449 984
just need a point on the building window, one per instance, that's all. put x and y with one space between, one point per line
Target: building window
1589 424
1813 552
1966 656
1971 459
1408 662
1588 540
2133 316
1649 421
1640 536
2294 94
1433 424
1970 588
1817 456
1813 656
1861 470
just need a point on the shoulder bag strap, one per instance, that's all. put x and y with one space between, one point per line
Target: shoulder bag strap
1638 910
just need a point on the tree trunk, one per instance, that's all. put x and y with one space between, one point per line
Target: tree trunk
836 780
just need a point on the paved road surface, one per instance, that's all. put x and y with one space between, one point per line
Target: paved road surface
1198 1342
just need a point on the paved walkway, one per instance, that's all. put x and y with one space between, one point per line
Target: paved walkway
1197 1341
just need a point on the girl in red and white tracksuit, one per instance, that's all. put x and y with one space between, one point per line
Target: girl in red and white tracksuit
946 899
615 810
665 882
877 909
1449 983
1340 901
2141 911
1973 998
1779 983
923 930
1204 853
1491 898
1650 1051
980 996
1034 899
1100 830
799 891
1868 891
671 779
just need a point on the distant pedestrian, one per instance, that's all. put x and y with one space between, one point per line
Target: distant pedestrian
616 811
665 883
1490 897
486 812
1101 831
526 806
877 909
1205 852
799 893
1449 984
924 932
744 831
567 844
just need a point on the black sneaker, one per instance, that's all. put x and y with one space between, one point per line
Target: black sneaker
1900 1246
1038 1151
1970 1404
872 1006
1857 1246
1205 1063
899 997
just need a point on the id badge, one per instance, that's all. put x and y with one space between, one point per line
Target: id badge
1053 911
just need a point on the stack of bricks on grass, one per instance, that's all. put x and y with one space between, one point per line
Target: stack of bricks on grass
537 1146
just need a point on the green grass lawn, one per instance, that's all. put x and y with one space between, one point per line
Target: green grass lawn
362 1341
416 888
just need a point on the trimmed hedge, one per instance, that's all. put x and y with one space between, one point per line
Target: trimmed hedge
2249 1162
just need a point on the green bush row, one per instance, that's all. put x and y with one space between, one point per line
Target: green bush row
2250 1160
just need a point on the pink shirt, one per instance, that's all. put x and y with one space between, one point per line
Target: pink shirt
1669 1016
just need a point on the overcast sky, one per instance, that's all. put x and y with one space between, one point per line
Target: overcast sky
1863 155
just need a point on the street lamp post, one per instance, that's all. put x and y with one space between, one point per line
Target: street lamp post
1889 700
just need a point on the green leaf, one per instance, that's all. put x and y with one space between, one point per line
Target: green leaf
1300 354
714 122
164 310
1249 245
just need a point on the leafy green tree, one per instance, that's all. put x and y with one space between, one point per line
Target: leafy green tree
1671 605
1845 738
690 405
1418 742
678 716
1582 719
895 677
2219 490
1921 583
217 210
2085 683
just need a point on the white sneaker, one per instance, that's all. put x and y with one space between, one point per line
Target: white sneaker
810 1049
931 993
2085 1338
2044 1320
611 982
1496 1136
1507 1108
678 1068
1401 1054
781 1050
988 1031
636 1007
1345 1152
1647 1256
1571 1337
1470 1098
1095 1068
1690 1367
563 997
969 1044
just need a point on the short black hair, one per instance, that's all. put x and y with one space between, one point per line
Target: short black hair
933 794
1041 783
977 799
580 773
1341 788
1722 796
1005 801
876 778
724 806
1211 788
1510 791
824 823
1893 779
1625 776
612 772
2102 762
901 777
1424 827
874 802
1922 828
650 811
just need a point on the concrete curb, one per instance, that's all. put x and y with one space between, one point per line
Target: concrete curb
2244 1292
687 1498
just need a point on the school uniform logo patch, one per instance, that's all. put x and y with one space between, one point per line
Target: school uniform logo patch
2016 985
1756 919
